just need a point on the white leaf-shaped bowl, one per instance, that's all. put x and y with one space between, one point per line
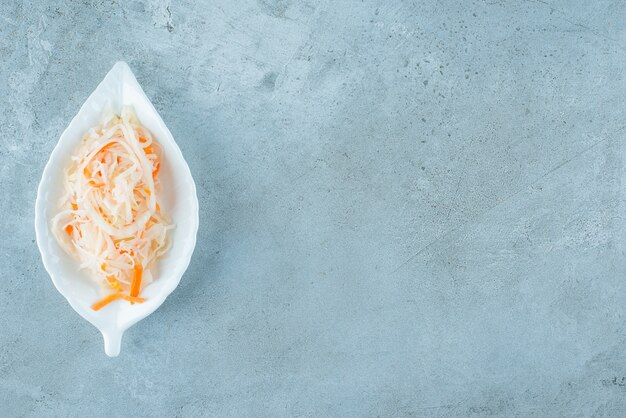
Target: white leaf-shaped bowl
177 198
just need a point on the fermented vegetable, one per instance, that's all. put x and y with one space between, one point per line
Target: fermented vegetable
110 218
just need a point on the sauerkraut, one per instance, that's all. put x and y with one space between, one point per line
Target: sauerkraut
109 217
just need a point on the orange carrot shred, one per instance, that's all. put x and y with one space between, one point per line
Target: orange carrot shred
114 283
69 229
135 286
133 299
113 297
156 170
74 206
104 302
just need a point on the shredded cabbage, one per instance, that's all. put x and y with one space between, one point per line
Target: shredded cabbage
109 216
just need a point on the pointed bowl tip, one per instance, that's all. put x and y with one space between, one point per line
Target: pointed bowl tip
120 65
112 342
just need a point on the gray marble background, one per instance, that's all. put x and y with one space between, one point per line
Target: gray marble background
407 208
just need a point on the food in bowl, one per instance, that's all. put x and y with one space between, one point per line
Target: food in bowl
109 216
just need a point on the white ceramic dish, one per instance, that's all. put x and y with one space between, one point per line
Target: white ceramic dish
178 199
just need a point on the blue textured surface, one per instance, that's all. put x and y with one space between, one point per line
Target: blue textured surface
407 208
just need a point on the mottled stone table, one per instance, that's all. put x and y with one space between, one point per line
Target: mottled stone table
407 208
